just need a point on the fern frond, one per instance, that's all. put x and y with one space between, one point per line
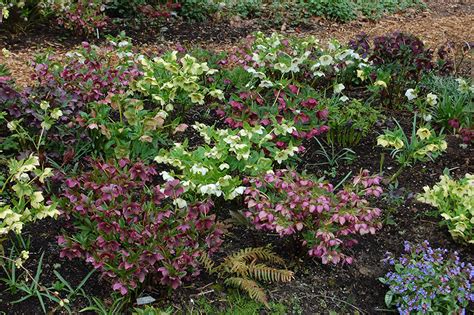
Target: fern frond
269 274
261 253
206 262
235 266
251 287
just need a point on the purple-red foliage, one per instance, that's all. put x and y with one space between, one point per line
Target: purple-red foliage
403 49
325 220
87 76
131 231
290 104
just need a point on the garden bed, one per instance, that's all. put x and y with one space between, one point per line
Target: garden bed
205 168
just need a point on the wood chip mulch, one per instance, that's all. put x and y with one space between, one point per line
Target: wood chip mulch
443 21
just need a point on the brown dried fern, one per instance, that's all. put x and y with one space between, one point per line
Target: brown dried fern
251 287
242 268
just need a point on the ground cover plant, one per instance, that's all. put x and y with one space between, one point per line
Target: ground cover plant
428 280
184 175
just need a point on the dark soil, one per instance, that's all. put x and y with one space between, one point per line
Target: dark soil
43 241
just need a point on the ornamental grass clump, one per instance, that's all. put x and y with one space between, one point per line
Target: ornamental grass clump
427 280
325 220
134 231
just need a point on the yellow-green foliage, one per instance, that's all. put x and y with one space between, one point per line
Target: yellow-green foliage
244 268
170 81
25 202
455 202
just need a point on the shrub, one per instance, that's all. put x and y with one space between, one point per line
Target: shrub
375 9
428 281
134 231
325 220
16 12
341 10
455 203
84 16
198 10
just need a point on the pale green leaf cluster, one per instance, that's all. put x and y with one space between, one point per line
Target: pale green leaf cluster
26 203
169 81
455 203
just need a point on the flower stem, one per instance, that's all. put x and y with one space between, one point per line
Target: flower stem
394 176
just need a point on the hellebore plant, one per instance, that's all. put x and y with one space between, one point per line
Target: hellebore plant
285 59
207 169
423 145
132 230
402 58
428 281
294 107
86 75
171 82
122 127
326 221
350 122
454 200
21 199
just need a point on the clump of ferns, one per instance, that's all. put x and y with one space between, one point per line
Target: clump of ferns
244 268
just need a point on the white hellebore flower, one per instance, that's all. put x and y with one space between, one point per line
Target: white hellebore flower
463 86
224 166
432 99
211 189
237 192
427 118
411 94
181 203
166 176
266 84
199 170
338 88
326 60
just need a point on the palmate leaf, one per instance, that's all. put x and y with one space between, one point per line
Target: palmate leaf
251 287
